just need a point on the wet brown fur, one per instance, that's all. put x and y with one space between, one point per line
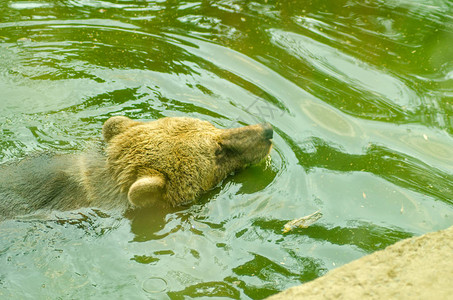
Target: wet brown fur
171 161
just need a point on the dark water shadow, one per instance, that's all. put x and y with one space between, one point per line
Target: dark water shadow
148 223
363 235
398 168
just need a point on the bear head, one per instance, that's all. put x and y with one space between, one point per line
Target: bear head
175 159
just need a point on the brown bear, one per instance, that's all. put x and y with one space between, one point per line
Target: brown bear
171 160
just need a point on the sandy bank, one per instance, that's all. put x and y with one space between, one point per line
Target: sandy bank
415 268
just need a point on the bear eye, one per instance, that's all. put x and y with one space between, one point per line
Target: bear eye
226 149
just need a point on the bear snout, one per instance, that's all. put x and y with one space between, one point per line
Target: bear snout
268 132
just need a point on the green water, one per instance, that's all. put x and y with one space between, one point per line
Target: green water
360 94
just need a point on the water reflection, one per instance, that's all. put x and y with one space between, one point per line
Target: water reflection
398 168
330 119
352 78
214 289
366 236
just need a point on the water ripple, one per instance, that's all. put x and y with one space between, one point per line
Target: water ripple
358 93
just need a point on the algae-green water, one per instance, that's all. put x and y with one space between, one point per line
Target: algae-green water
360 95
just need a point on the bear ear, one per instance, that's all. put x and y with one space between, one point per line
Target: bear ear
146 191
116 125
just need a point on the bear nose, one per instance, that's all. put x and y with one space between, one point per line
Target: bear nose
268 132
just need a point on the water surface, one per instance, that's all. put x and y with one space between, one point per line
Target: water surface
360 94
